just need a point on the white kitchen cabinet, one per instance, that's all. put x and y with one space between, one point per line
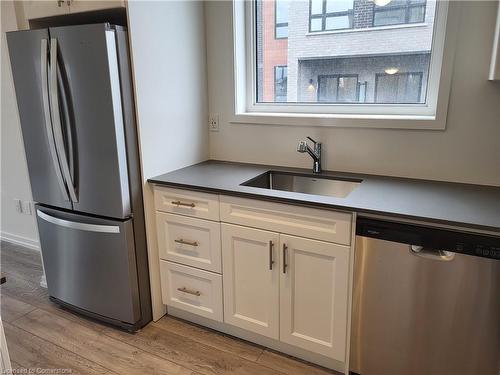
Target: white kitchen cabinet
189 241
187 203
41 9
78 6
314 295
309 298
190 289
251 279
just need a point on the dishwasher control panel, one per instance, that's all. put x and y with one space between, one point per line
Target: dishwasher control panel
430 237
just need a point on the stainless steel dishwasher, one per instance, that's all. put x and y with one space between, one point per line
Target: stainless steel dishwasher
426 301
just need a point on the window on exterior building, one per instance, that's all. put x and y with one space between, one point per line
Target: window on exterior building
398 88
280 82
338 88
359 70
399 12
327 15
281 19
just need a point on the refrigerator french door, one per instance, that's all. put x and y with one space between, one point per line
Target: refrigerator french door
73 91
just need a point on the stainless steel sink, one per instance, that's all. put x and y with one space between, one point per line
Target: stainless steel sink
302 183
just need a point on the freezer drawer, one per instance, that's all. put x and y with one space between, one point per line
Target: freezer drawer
90 263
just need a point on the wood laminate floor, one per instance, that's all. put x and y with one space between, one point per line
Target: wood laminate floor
41 335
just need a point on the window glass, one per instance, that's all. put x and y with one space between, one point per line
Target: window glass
281 31
399 12
338 22
337 89
338 5
389 17
316 6
282 11
280 83
416 14
358 66
398 88
281 19
316 24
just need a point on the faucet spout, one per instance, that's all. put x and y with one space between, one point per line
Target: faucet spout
315 153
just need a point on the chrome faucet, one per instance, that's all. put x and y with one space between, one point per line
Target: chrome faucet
315 153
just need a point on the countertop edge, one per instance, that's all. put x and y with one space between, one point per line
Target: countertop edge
307 203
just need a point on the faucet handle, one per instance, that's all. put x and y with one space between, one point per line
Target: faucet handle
302 146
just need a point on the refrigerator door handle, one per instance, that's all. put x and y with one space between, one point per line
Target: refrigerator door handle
48 123
77 225
56 120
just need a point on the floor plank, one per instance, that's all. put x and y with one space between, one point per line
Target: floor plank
290 365
29 351
113 354
211 338
184 351
169 346
12 308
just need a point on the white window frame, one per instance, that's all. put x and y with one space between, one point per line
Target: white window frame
431 115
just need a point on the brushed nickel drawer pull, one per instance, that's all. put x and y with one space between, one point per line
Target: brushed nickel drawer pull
185 290
285 248
271 261
179 203
184 242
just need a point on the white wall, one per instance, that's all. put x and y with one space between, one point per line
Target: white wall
14 170
169 62
467 151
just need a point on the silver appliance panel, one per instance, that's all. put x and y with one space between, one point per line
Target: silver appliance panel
29 56
90 263
424 311
89 98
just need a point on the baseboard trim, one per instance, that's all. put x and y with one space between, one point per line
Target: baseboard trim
20 240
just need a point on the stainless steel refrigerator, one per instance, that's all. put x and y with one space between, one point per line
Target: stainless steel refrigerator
74 94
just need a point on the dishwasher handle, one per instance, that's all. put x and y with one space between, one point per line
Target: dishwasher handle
434 254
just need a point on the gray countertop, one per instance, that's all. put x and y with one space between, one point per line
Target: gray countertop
466 205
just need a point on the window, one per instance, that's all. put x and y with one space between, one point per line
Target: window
398 88
338 88
399 12
330 15
355 73
281 19
280 82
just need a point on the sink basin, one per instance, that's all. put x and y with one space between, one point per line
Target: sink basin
303 183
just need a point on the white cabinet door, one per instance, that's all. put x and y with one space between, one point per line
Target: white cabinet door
40 9
313 295
251 279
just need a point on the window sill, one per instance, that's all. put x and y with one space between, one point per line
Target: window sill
367 29
413 122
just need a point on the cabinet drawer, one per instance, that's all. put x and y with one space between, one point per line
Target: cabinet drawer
185 202
193 290
331 226
190 241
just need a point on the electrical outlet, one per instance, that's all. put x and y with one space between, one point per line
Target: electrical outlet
27 207
19 205
213 122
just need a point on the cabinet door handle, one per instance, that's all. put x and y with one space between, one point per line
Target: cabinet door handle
188 291
285 248
184 242
271 261
179 203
